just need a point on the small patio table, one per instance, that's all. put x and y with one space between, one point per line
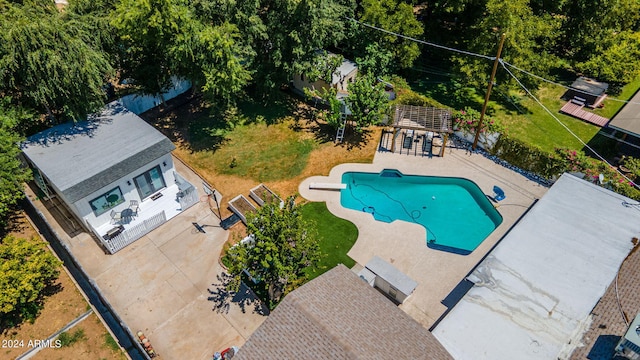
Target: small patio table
127 215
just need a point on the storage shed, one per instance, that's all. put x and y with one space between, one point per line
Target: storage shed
588 91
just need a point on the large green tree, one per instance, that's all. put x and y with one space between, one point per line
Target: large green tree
147 30
12 173
163 38
367 101
27 267
528 40
616 59
285 35
391 15
50 61
283 246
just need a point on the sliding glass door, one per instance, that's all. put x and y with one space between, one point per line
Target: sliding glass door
149 182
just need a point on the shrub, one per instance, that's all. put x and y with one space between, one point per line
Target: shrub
524 156
27 268
550 165
467 120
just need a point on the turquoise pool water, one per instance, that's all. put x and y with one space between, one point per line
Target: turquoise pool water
455 212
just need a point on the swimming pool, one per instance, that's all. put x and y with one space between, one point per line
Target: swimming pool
455 212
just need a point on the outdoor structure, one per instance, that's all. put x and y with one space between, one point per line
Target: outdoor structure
589 92
114 172
585 92
240 206
627 120
261 194
339 316
533 294
388 279
575 108
629 345
432 122
345 74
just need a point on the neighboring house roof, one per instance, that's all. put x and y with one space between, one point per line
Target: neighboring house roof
534 292
628 118
339 316
80 158
608 324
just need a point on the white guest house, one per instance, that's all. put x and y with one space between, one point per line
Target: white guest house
114 172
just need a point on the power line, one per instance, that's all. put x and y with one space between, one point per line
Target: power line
504 65
483 57
422 41
563 125
565 86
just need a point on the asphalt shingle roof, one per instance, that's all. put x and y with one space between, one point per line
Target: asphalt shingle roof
80 158
339 316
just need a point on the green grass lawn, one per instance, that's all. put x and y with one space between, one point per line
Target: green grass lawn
527 120
532 124
336 235
253 141
263 152
611 107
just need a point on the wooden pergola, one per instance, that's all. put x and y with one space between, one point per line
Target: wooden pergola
422 118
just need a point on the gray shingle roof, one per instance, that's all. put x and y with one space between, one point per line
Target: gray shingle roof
339 316
83 157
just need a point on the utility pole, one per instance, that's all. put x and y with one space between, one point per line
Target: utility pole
486 97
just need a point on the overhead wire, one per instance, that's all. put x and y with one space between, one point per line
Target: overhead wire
565 86
562 124
487 57
504 65
422 41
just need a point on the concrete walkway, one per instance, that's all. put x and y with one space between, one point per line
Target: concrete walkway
168 284
404 244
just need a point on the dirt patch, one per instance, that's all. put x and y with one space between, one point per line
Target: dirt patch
95 344
61 307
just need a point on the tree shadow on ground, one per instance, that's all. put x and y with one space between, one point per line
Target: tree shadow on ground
271 111
357 139
12 321
13 223
306 120
197 124
222 297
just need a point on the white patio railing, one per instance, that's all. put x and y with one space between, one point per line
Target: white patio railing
188 194
129 235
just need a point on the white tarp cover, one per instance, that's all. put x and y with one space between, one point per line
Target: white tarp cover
534 293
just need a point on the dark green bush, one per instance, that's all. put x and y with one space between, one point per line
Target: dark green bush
549 165
526 157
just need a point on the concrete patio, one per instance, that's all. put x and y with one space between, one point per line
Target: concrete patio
403 244
168 283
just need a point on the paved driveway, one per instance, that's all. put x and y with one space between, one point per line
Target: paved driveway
167 284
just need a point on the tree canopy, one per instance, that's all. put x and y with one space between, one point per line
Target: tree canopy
49 61
282 246
26 269
12 173
367 101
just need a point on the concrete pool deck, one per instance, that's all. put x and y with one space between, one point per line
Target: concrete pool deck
403 244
